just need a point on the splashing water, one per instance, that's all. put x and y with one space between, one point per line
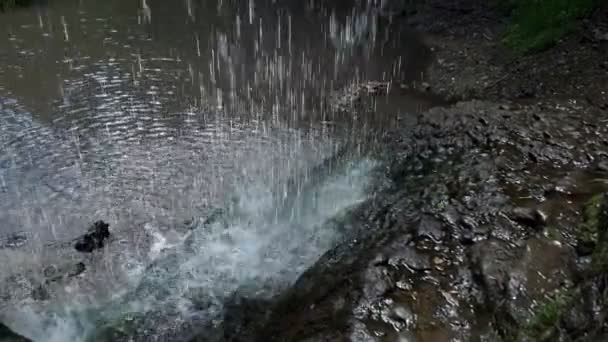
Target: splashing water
156 263
204 159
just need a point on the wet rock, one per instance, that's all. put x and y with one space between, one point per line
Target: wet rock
243 316
577 319
544 270
602 166
409 257
14 240
7 335
431 228
533 157
41 293
76 269
154 325
475 266
531 217
491 265
94 239
471 231
54 273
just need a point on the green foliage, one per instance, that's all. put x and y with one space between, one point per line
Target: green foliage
538 24
588 234
595 230
10 4
547 316
505 6
599 259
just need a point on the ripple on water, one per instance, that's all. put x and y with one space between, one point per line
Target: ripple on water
146 188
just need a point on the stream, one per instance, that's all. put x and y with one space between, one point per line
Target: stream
203 132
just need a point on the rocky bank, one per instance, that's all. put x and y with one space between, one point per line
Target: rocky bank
493 226
480 230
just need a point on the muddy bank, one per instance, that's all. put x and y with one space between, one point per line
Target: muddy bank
476 233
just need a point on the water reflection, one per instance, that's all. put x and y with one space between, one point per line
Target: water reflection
240 53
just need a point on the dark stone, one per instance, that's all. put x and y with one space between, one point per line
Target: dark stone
76 269
469 230
533 157
431 228
14 240
491 265
409 257
585 247
531 217
577 320
40 293
7 335
602 166
94 239
54 273
242 316
467 237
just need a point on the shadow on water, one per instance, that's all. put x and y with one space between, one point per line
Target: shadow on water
157 115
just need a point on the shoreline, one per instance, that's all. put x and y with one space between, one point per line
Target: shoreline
496 224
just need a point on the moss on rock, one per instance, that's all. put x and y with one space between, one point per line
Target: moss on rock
537 25
10 4
546 317
588 233
599 219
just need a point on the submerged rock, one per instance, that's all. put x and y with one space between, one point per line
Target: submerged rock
94 239
14 240
7 335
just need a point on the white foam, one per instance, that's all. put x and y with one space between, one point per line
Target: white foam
245 250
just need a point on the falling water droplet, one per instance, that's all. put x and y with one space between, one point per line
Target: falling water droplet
189 8
146 11
65 29
198 45
251 9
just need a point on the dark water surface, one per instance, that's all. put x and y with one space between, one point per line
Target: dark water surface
151 113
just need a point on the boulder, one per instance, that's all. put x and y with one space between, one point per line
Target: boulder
7 335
